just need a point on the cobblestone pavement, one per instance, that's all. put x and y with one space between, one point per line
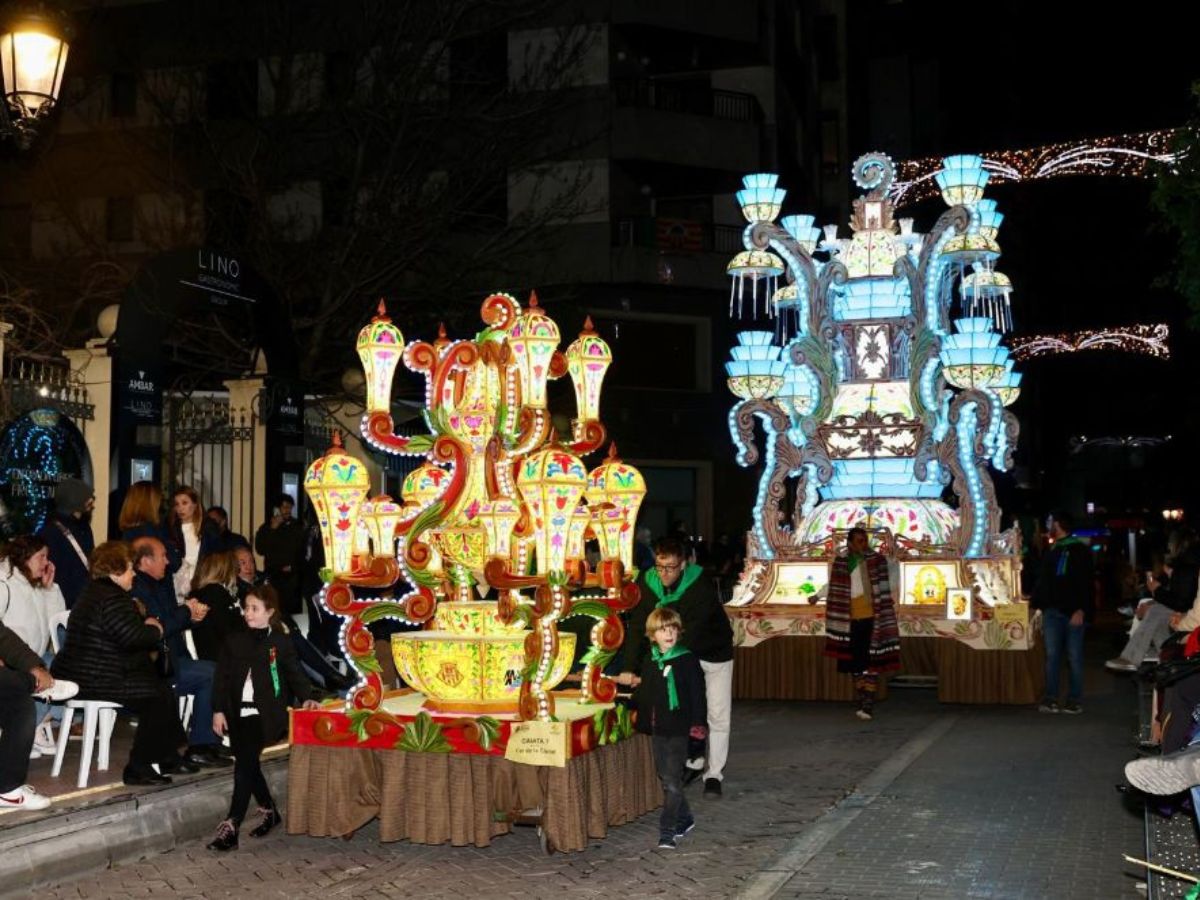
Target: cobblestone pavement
998 803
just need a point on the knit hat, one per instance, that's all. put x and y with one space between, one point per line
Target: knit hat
72 495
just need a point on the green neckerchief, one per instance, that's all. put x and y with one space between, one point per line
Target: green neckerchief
852 561
686 579
274 671
661 659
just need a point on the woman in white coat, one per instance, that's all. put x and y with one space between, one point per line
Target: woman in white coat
29 599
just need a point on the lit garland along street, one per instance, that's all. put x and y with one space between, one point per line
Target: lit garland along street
1120 156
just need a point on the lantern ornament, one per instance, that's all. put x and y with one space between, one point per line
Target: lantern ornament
380 348
962 180
533 338
756 371
337 483
759 198
552 483
588 358
615 493
973 357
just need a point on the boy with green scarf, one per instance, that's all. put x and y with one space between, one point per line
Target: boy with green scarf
672 697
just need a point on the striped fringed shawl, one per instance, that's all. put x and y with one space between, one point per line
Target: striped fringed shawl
885 636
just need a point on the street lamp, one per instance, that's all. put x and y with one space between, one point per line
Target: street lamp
33 55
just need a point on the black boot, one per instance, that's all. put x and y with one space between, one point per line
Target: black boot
270 818
227 837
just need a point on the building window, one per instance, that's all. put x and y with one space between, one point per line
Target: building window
123 95
118 220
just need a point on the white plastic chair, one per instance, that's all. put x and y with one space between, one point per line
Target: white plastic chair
188 701
99 719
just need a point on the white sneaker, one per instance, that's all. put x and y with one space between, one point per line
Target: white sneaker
60 689
44 743
23 797
35 753
1170 774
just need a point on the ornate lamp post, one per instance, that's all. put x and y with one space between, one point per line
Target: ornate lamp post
34 44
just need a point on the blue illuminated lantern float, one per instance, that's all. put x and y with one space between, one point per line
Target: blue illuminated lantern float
881 395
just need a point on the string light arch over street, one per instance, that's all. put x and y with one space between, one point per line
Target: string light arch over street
1147 340
1119 156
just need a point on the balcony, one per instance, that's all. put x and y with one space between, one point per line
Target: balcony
687 253
686 124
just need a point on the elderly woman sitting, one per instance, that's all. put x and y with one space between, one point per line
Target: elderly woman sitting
107 652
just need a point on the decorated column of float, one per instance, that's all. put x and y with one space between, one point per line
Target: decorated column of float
485 547
880 385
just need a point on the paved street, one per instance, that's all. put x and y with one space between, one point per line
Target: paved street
926 802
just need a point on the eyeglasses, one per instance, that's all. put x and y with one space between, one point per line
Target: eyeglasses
673 568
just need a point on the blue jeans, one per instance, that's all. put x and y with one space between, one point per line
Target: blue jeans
195 676
1058 632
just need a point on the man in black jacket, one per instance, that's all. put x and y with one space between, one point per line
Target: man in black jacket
706 633
1064 594
22 676
280 542
68 535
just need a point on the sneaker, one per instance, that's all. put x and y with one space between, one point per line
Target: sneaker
35 753
44 742
60 689
712 788
684 828
1121 664
23 797
1170 774
270 818
1072 708
226 837
1049 706
864 714
666 843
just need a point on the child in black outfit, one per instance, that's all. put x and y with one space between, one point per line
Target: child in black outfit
671 694
248 701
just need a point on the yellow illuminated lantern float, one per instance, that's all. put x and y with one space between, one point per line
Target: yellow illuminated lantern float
491 530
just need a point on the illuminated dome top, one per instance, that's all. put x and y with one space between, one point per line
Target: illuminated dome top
423 484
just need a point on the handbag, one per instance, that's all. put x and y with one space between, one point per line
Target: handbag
164 666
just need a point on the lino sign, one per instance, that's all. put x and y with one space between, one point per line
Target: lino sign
217 275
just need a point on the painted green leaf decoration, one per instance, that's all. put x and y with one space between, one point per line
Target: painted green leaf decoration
379 611
598 657
358 723
595 608
367 663
624 722
423 735
422 443
489 730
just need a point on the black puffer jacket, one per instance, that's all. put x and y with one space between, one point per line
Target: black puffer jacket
107 650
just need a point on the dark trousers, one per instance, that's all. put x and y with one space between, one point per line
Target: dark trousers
17 726
246 741
159 735
670 758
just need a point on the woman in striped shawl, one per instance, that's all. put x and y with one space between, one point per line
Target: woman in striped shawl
860 619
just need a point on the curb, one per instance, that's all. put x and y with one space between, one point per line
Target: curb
63 847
